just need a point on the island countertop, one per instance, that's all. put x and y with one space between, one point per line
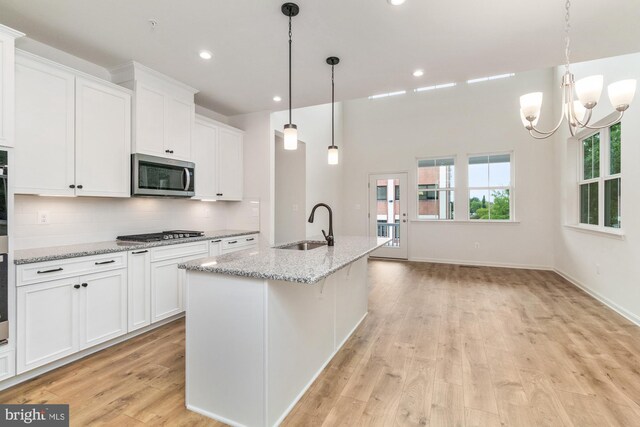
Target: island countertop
275 263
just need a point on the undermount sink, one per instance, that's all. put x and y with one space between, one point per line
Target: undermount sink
303 246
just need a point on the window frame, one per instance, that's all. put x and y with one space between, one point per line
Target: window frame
604 176
453 189
510 187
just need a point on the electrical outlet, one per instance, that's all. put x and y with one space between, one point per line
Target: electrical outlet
477 245
43 217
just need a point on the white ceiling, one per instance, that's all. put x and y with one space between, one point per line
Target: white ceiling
379 45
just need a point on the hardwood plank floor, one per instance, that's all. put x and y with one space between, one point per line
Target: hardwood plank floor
442 345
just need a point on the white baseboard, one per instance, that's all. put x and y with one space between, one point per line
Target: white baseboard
604 300
214 416
482 263
20 378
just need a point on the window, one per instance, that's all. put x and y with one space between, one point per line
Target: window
600 178
436 182
382 192
490 189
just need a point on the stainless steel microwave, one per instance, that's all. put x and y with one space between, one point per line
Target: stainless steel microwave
161 177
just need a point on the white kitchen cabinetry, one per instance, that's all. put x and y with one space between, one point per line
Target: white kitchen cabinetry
230 164
60 315
215 247
167 281
45 110
7 84
218 155
103 307
103 139
164 111
73 132
48 327
139 289
238 243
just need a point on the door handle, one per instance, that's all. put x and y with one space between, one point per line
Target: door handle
76 286
231 243
216 241
139 252
188 174
105 262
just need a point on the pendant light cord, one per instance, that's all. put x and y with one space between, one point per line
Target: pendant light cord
332 103
290 34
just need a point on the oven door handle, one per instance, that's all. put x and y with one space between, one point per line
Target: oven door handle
188 174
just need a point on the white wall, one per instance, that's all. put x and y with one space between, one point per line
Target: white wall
386 135
324 181
580 255
290 221
258 164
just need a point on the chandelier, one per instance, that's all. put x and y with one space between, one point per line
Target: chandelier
588 91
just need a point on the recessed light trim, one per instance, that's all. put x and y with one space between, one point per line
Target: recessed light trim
395 2
418 73
205 54
277 98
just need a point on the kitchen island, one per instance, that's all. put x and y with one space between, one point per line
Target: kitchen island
263 323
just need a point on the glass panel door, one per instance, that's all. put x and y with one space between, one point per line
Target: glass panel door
388 213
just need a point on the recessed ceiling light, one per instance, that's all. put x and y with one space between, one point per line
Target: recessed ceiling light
396 2
205 54
418 73
277 98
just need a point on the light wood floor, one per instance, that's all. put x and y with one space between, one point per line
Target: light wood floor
442 345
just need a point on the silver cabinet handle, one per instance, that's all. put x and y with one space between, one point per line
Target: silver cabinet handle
50 271
105 262
139 252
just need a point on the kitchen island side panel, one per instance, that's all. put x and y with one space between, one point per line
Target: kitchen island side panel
300 339
225 348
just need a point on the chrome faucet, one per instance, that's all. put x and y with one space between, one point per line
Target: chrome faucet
329 237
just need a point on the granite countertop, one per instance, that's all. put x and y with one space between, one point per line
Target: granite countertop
28 256
273 263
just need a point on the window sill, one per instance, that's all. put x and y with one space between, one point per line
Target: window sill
467 221
614 233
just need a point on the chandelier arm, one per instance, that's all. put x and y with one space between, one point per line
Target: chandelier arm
554 130
533 135
572 129
612 122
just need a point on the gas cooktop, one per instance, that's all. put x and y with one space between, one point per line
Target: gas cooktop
165 235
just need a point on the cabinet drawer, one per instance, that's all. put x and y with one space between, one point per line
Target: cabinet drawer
232 244
179 251
50 270
7 364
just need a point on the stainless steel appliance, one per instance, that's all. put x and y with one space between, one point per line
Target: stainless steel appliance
158 176
4 270
165 235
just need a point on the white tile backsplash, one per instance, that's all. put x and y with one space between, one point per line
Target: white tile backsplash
95 219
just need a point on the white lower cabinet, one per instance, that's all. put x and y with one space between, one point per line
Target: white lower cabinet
60 317
139 289
166 289
215 247
7 364
103 307
48 327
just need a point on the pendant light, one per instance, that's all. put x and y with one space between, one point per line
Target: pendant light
333 148
290 130
577 113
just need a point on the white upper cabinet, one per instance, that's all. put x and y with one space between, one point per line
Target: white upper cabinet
73 132
205 151
7 83
230 164
217 153
149 117
45 110
103 140
163 111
